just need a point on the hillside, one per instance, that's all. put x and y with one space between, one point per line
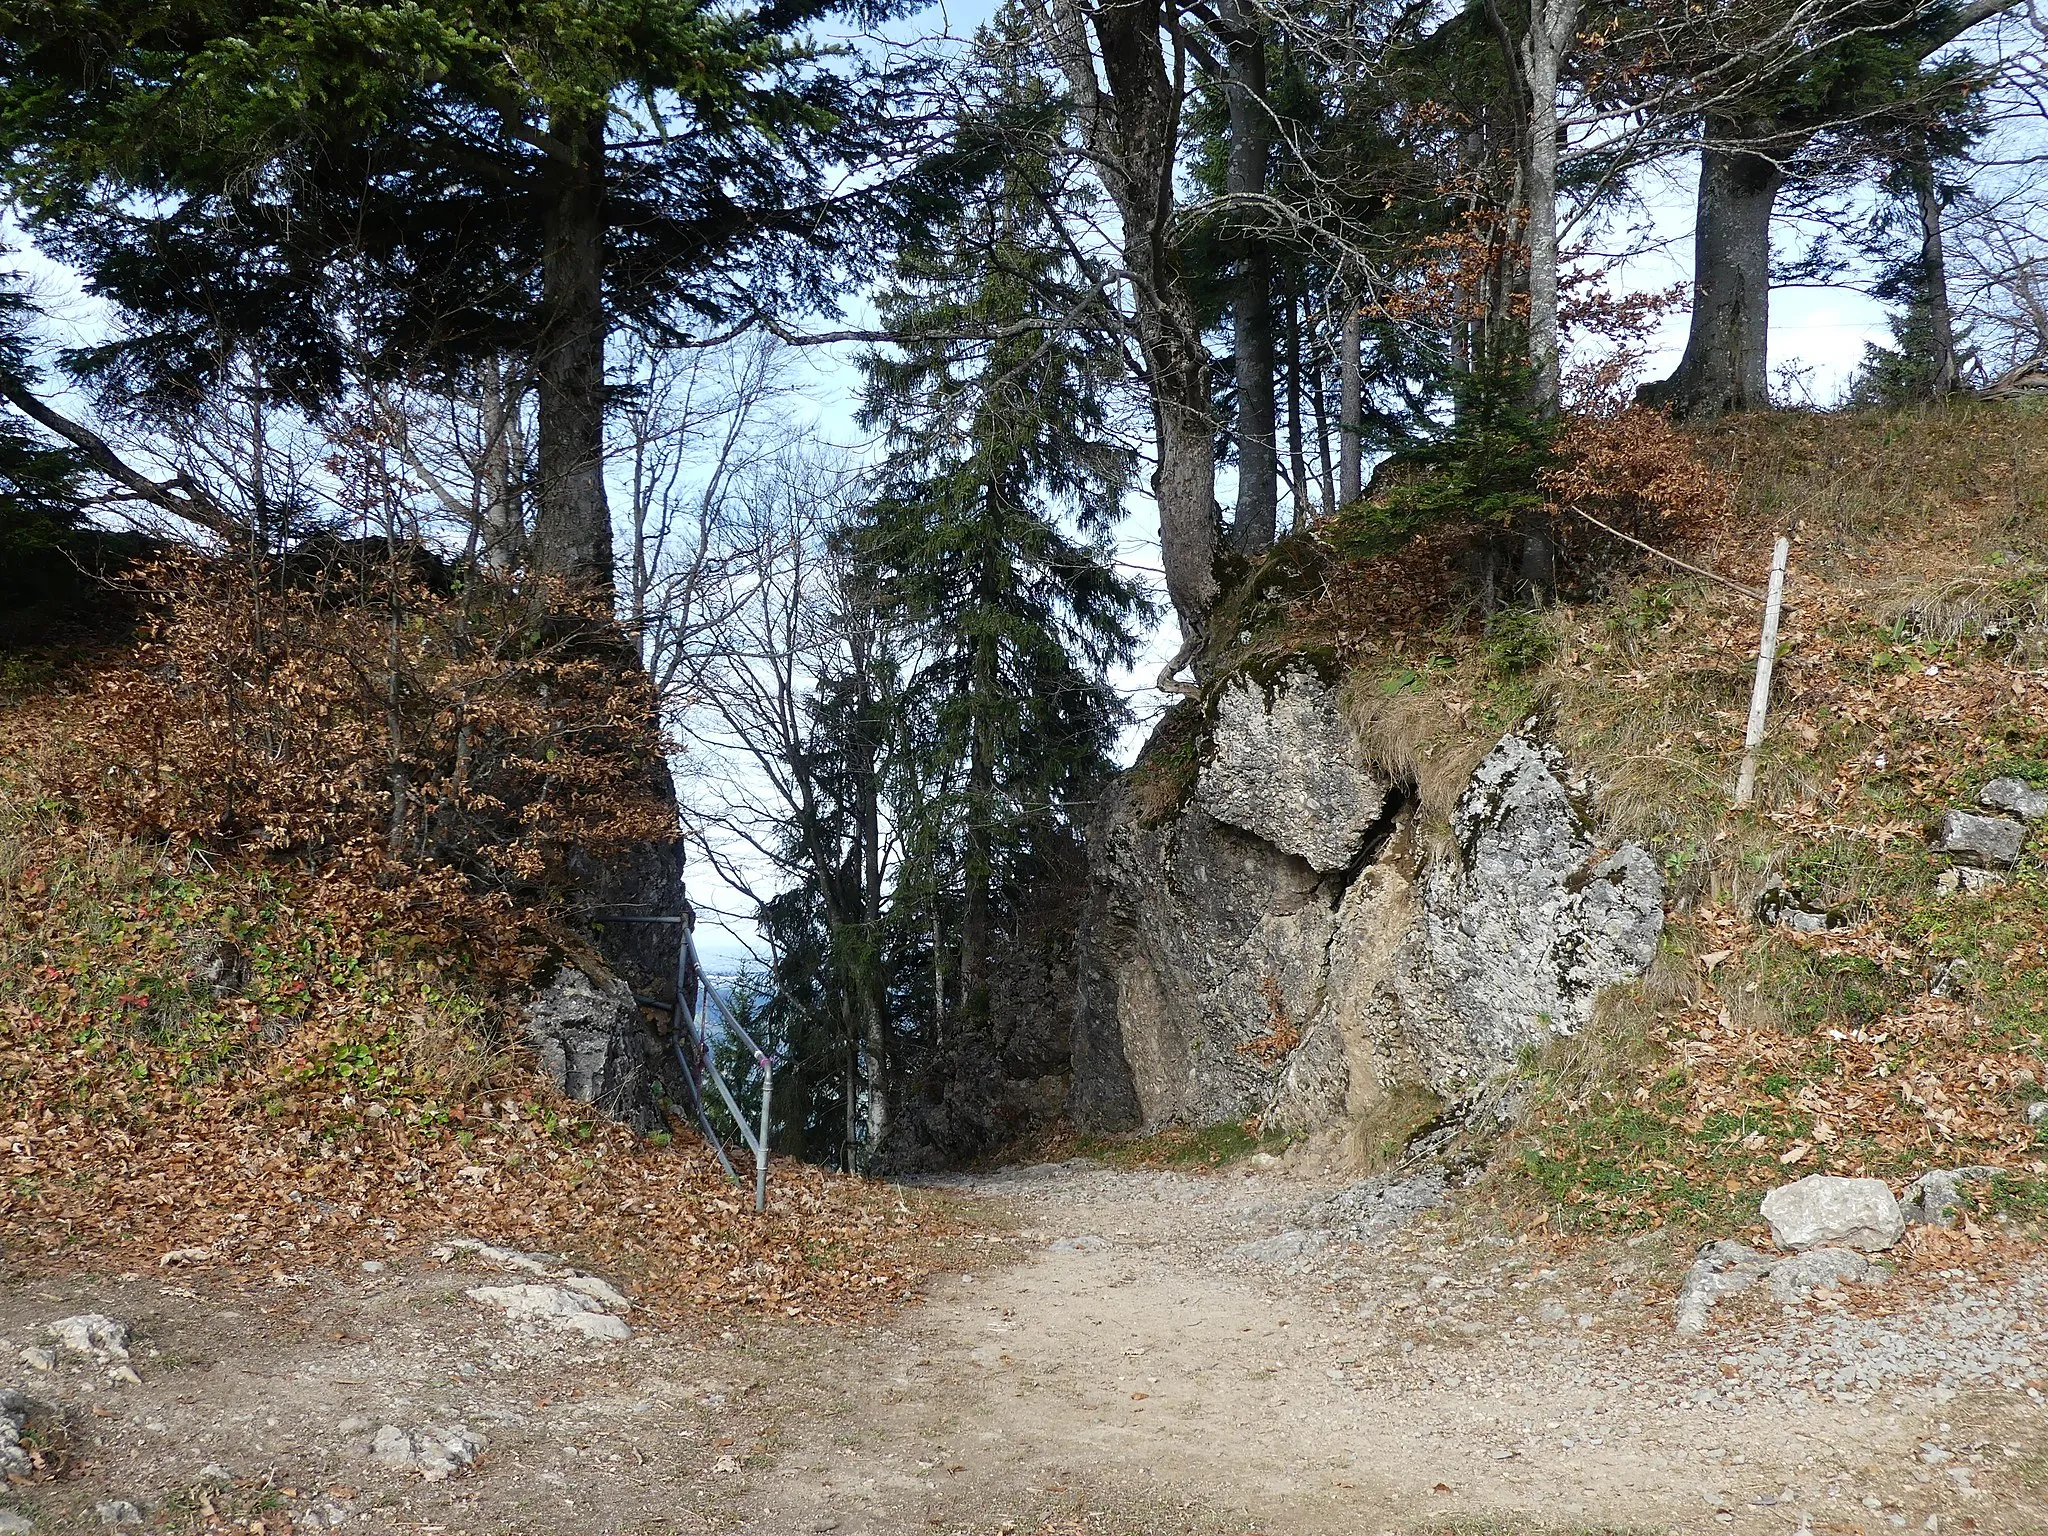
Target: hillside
218 1062
1902 1023
290 1208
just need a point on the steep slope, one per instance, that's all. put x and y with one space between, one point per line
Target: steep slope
1836 987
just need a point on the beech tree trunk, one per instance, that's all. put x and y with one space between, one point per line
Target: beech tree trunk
1944 369
1251 297
572 533
1130 119
1725 366
1552 25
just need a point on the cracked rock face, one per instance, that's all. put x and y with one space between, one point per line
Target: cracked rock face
1284 768
1530 924
1226 972
588 1037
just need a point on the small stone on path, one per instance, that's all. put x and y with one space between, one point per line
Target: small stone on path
15 1523
1086 1243
1796 1276
91 1335
436 1454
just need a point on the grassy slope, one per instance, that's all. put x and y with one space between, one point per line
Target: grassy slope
356 1098
1914 666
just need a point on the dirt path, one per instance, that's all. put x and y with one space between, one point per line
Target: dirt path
1139 1353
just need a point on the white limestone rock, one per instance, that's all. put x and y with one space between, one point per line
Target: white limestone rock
90 1336
436 1454
553 1306
1285 768
1532 921
1824 1209
1797 1276
1720 1269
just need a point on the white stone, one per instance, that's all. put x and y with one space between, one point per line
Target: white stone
1824 1209
117 1514
91 1335
1721 1269
435 1454
554 1307
597 1290
1800 1274
14 1523
1993 841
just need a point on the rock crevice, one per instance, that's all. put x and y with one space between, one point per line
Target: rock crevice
1288 948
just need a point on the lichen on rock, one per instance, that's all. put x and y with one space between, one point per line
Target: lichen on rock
1286 947
1283 767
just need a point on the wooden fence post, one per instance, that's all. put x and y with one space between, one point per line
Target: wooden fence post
1766 658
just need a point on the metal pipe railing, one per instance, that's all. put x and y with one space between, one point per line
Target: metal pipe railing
696 1000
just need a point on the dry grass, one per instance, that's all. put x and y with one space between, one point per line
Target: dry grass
1911 670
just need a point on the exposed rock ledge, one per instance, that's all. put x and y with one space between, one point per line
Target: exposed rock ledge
1283 945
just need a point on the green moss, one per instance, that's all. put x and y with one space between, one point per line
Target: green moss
1209 1146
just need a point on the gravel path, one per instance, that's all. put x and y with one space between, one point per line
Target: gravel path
1117 1354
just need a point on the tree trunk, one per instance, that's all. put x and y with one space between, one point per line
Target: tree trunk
1351 408
572 534
1326 470
1130 116
1551 26
501 521
978 877
1251 297
1944 369
1725 366
1297 460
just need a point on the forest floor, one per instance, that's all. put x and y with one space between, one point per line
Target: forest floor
1129 1353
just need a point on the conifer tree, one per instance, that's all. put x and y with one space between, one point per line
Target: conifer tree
990 538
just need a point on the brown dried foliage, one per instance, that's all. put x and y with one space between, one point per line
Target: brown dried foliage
432 757
369 791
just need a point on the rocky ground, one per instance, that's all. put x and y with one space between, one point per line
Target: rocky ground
1128 1352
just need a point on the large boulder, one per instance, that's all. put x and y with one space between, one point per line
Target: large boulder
1284 766
1303 972
1532 920
1825 1209
591 1044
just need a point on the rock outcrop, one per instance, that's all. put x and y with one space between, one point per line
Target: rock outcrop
588 1036
1283 945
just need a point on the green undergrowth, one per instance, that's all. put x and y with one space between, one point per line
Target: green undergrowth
1209 1146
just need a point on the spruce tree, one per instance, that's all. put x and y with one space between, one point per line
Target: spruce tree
989 541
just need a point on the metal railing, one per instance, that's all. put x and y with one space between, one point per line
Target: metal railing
697 1002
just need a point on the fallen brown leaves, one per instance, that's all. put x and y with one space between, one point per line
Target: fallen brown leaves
353 1097
281 1165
